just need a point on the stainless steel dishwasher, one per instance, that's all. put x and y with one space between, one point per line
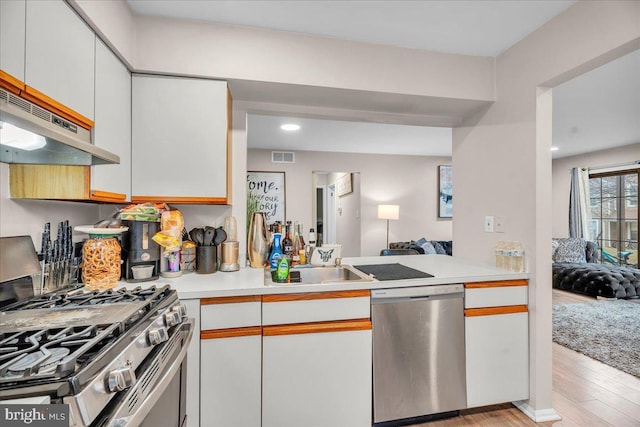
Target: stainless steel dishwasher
418 353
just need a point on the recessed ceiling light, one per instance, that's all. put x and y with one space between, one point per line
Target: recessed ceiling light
554 148
290 127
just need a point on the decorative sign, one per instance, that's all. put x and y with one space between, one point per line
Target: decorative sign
266 193
343 185
445 192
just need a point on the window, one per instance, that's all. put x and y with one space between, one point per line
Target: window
614 213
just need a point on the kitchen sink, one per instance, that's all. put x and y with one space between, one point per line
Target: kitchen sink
318 275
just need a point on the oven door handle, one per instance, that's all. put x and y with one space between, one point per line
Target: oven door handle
160 386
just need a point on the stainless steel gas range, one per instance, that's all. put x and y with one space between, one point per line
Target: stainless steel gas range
115 357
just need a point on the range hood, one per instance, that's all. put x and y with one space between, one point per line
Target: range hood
30 134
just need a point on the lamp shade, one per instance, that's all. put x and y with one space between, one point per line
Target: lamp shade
388 211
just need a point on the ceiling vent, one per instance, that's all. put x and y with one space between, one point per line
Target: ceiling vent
283 157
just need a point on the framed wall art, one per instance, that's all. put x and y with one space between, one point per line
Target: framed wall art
445 193
266 192
343 185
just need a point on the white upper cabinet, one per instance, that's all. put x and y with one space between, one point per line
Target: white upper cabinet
12 33
112 130
179 145
60 55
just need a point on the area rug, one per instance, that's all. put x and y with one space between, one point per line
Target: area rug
607 331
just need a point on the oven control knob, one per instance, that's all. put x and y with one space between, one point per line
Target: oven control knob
121 379
180 308
157 336
171 318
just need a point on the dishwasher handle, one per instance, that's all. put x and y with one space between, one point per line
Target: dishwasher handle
417 293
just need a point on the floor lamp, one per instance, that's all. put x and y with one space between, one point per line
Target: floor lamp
388 212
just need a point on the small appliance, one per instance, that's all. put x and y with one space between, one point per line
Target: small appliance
229 256
139 249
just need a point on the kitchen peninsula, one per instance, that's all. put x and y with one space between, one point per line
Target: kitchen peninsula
277 355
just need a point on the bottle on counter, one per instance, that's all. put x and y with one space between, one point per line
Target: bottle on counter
500 254
276 251
312 237
287 242
302 249
295 255
508 258
517 257
282 272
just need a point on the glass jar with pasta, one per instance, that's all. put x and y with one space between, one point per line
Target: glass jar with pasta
101 262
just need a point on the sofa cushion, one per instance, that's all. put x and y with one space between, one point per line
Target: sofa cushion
440 250
571 250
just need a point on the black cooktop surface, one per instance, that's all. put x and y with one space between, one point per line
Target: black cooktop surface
392 272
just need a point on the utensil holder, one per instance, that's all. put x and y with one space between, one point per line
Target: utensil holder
206 259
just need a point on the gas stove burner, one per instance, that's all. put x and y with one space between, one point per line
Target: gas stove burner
39 360
81 297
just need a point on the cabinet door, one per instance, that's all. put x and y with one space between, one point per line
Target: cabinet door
12 33
179 147
230 379
60 54
112 129
497 351
316 379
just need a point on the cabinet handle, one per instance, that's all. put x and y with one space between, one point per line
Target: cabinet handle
316 295
230 332
490 311
318 327
496 284
230 300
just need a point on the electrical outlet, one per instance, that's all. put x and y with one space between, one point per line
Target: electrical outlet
488 224
498 226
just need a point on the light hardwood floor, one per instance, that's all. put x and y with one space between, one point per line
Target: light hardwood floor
586 393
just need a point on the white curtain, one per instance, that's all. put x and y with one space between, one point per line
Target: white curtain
579 206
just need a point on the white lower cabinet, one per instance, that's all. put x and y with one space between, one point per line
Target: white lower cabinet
497 352
230 369
316 379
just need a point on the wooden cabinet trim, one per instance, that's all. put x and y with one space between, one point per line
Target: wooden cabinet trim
316 295
10 83
54 106
230 332
230 300
318 327
107 196
180 200
490 311
496 284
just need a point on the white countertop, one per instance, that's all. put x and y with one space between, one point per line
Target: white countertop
250 281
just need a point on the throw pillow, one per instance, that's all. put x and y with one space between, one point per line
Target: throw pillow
421 241
428 248
439 248
555 242
572 250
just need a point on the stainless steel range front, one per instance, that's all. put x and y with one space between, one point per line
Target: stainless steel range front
116 357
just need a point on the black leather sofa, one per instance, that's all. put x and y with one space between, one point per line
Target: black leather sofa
446 244
595 279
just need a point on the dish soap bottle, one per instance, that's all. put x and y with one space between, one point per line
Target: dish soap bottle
276 251
282 273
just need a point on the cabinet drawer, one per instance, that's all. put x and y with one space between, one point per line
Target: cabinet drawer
495 294
495 297
231 312
315 307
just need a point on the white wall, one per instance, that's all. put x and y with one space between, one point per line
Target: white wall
562 178
504 152
408 181
348 217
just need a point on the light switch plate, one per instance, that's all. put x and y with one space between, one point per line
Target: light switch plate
498 225
488 224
